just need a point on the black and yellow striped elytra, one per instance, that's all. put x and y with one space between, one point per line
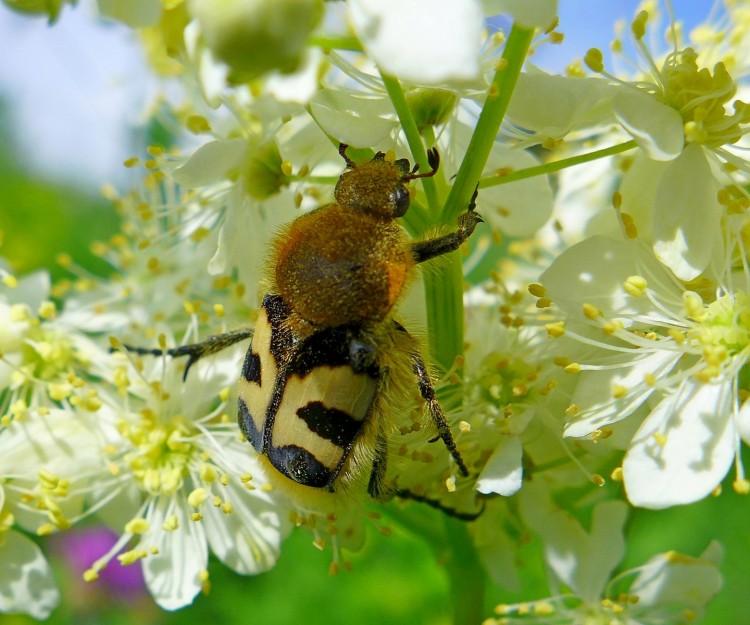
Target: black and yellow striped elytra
303 404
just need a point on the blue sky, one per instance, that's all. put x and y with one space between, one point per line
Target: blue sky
77 89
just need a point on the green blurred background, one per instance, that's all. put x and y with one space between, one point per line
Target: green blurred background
395 579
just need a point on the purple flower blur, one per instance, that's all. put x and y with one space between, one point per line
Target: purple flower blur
80 548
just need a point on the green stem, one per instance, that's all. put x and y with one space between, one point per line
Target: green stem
488 124
328 42
444 283
548 168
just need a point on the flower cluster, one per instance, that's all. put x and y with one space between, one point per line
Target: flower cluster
590 348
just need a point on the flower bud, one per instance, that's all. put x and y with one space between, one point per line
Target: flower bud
256 36
431 107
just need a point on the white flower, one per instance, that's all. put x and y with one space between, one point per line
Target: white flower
670 588
428 42
651 349
25 578
181 481
46 460
686 122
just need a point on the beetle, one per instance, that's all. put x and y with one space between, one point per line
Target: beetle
329 365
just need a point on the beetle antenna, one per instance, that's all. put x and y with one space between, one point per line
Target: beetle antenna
342 152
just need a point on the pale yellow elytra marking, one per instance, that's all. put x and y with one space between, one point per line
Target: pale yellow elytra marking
336 388
258 397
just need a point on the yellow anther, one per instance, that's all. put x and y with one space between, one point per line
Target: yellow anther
197 498
694 306
594 60
573 367
543 302
90 575
207 473
46 529
47 310
137 526
537 290
635 286
638 26
555 329
591 312
619 391
197 124
171 523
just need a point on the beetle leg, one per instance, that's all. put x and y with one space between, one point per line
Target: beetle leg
377 477
425 250
434 503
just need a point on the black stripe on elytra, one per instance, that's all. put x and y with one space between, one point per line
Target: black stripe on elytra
247 426
332 424
251 367
335 347
300 465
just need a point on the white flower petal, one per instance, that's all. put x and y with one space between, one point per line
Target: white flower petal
528 13
299 86
687 214
257 223
428 42
32 290
211 162
59 442
684 448
655 126
26 582
520 208
173 574
594 392
638 192
594 271
669 580
248 540
742 421
503 473
212 75
582 560
354 119
578 102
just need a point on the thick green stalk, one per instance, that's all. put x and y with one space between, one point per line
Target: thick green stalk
488 124
466 574
444 283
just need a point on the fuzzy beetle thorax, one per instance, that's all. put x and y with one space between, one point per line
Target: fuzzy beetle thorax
349 262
